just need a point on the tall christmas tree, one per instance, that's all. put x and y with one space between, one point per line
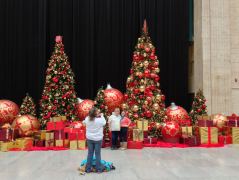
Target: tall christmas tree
59 96
28 106
100 104
143 97
198 107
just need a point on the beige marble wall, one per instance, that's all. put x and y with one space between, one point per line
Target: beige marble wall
216 53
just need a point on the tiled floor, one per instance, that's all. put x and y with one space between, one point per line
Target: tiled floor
146 164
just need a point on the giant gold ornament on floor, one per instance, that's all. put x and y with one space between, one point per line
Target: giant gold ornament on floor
26 124
113 98
83 107
8 111
177 114
219 120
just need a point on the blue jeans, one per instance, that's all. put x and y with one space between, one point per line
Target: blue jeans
115 137
94 147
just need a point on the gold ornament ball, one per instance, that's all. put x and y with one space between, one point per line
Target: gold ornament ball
146 102
26 124
142 81
137 73
219 120
157 70
142 88
141 65
124 106
146 63
135 108
156 106
158 97
129 79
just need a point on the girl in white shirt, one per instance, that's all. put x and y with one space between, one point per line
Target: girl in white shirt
114 126
94 134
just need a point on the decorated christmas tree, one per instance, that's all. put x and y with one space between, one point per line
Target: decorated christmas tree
198 107
100 104
143 97
28 106
59 96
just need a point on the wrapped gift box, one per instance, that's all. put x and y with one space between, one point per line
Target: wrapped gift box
235 135
138 135
39 143
191 141
49 139
59 134
233 123
24 143
135 145
55 125
225 139
187 131
205 123
59 143
6 134
80 144
142 124
41 135
209 135
150 140
58 118
4 146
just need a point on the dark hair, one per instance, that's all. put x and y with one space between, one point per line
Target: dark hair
92 113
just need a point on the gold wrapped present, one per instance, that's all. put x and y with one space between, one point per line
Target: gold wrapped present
73 145
209 135
142 124
138 135
24 143
187 131
235 135
59 143
80 144
49 143
58 118
66 143
49 135
3 146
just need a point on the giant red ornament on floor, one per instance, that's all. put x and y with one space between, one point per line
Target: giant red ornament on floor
8 111
171 130
113 98
83 108
26 124
178 114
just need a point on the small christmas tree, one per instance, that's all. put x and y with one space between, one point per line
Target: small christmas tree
143 97
28 106
198 107
59 96
100 104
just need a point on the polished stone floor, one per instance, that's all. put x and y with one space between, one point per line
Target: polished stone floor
146 164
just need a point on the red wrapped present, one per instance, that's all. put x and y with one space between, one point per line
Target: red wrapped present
79 135
6 134
55 125
59 134
39 143
191 141
205 123
225 139
233 123
135 145
150 140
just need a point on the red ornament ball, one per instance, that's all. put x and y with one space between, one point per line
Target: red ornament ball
8 111
178 114
113 98
83 108
26 124
171 130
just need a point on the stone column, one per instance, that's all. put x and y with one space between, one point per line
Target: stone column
212 60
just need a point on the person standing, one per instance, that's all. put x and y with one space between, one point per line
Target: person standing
94 135
124 123
114 126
